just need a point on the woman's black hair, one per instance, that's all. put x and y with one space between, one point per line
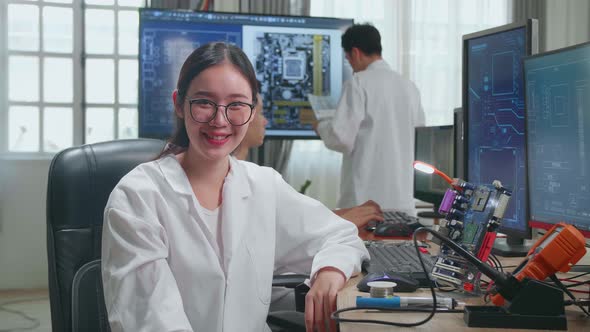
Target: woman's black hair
202 58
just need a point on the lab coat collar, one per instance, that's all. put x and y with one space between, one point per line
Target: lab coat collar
172 173
171 169
378 65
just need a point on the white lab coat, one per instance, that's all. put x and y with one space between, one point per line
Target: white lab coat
373 127
163 270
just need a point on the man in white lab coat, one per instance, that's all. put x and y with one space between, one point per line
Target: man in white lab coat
373 126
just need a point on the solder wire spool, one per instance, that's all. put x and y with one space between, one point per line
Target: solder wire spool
381 288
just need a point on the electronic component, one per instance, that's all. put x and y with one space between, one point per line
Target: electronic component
523 299
472 215
294 66
291 66
530 303
560 248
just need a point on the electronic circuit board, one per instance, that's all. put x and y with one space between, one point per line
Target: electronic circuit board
472 215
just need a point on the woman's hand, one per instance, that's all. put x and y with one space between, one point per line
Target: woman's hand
320 301
362 214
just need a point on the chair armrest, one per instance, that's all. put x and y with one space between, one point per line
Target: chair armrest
291 321
88 307
288 280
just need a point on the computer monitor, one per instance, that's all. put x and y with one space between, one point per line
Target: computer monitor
493 106
433 145
558 137
459 129
292 56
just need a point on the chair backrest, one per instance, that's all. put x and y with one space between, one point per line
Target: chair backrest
79 184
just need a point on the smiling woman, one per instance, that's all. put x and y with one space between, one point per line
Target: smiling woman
201 234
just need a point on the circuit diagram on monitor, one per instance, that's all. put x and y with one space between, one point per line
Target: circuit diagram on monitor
558 95
162 54
496 116
291 66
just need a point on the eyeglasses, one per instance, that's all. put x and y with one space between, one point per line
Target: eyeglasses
205 110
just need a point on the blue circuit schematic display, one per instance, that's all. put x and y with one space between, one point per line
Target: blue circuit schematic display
496 117
163 53
558 118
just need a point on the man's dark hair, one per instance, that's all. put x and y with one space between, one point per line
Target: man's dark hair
365 37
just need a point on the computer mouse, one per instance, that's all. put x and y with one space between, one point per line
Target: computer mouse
404 283
371 225
388 229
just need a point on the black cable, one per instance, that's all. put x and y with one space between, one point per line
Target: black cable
577 302
579 275
578 284
35 322
498 263
491 262
374 321
558 282
336 314
520 266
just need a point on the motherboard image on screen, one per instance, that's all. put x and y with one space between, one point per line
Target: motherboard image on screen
293 56
496 122
291 66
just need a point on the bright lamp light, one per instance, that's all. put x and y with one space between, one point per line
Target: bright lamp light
424 167
429 169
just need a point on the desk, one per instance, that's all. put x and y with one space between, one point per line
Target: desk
441 321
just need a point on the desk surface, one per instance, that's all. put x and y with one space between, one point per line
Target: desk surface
441 321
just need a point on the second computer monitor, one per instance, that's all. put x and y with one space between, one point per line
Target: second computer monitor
459 124
434 145
558 134
493 106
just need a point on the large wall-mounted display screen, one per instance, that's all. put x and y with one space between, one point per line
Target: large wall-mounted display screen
292 57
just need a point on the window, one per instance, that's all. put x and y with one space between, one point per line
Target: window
421 39
71 73
111 80
38 91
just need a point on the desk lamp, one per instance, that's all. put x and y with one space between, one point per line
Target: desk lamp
429 169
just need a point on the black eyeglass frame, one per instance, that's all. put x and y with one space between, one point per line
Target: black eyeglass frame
216 105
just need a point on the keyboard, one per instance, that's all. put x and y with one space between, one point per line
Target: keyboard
400 258
396 223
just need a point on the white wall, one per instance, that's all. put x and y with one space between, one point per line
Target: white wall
23 253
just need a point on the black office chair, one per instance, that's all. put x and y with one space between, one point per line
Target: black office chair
79 184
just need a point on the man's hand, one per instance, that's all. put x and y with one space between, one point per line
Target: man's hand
314 125
372 203
320 301
362 214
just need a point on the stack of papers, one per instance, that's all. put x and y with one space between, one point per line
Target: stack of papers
322 106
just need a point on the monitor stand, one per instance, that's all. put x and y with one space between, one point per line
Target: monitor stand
511 247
